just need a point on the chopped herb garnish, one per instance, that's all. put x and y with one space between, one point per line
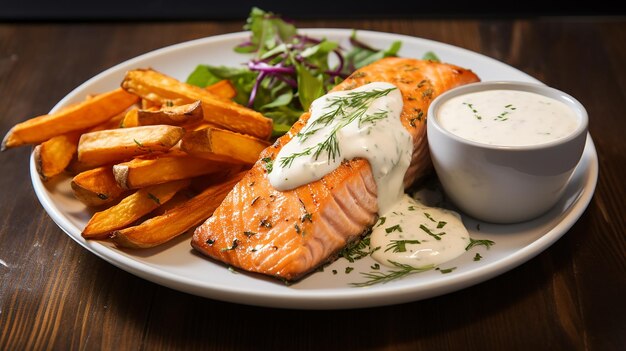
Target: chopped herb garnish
502 116
349 269
265 223
232 246
473 242
254 200
474 111
400 245
358 249
248 233
334 271
477 257
393 229
232 269
428 93
382 221
297 227
138 143
102 196
440 224
307 217
154 198
269 164
376 266
384 277
447 270
209 242
411 208
342 110
437 236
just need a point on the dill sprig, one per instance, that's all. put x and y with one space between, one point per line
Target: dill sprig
384 277
357 250
400 245
342 110
474 242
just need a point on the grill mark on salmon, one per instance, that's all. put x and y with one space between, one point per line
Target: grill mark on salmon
289 234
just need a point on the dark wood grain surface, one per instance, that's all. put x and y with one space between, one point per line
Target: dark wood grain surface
56 295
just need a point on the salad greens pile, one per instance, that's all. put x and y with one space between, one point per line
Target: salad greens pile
287 70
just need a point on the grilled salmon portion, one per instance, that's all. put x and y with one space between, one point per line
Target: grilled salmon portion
287 234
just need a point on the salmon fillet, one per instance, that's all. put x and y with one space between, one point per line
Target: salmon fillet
287 234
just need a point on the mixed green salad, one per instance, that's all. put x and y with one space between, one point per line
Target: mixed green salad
287 70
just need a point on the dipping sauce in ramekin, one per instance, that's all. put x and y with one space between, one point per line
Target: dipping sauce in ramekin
504 151
507 117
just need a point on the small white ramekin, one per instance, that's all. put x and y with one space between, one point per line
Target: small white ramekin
504 184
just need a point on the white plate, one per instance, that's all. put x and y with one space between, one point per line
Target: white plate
175 265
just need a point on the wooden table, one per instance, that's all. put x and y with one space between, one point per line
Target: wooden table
55 294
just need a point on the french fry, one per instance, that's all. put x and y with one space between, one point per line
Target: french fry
147 104
139 173
223 88
113 123
182 196
54 155
175 115
107 146
223 145
131 208
81 116
130 119
159 88
96 187
176 221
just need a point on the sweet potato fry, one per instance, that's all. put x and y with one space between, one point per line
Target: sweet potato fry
130 119
223 145
178 220
155 86
81 116
223 88
107 146
131 208
113 123
96 186
54 155
139 173
175 115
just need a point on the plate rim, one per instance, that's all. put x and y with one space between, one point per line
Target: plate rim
318 299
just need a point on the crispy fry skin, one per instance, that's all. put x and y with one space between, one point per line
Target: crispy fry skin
107 146
131 119
223 145
54 155
139 173
131 208
223 88
163 89
175 115
80 116
96 187
178 220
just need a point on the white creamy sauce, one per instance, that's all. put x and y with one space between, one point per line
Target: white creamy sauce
507 118
365 122
418 235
